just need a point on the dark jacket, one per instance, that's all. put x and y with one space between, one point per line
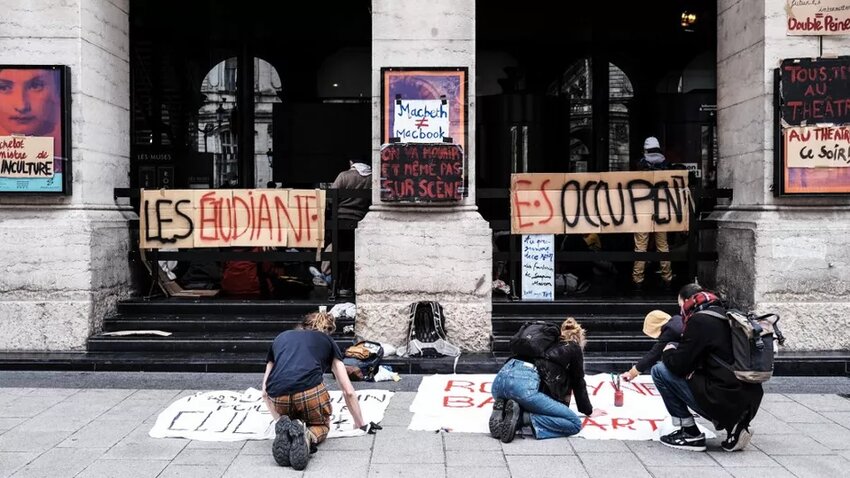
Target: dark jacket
717 392
670 332
353 208
561 370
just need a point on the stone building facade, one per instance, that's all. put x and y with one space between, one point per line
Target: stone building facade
66 258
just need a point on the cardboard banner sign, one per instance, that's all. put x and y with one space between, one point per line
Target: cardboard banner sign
189 218
615 202
808 147
228 416
818 17
422 172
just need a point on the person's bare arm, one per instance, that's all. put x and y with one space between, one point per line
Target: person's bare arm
348 392
269 366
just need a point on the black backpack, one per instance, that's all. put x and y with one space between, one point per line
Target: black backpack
369 365
534 338
754 340
427 332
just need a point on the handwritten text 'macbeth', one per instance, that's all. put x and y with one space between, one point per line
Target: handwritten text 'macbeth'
405 110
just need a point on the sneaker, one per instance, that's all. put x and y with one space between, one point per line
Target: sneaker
299 449
682 440
738 438
511 420
496 418
280 447
319 282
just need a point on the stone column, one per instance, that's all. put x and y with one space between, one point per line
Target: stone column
785 255
65 259
415 253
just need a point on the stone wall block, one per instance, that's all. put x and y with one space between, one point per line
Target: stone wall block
40 18
105 25
739 27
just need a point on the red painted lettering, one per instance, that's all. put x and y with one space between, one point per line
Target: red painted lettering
450 401
464 384
622 423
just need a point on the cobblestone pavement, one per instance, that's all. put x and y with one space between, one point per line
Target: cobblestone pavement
103 432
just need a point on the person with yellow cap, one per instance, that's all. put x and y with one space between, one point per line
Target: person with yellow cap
665 329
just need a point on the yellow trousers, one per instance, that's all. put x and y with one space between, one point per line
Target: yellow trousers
641 243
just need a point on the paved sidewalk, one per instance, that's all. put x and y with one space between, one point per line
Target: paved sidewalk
103 433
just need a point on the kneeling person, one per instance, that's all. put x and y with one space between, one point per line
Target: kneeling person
294 392
691 375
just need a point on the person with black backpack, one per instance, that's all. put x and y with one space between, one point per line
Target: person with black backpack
533 388
695 373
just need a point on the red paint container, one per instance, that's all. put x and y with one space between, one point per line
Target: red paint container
618 398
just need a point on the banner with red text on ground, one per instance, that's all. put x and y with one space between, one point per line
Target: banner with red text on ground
188 218
462 403
584 203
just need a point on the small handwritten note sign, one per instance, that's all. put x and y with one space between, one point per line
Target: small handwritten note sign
422 172
538 267
421 121
26 157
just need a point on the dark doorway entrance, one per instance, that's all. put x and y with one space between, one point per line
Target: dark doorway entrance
238 94
579 92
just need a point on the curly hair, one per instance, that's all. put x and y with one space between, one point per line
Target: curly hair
571 331
319 321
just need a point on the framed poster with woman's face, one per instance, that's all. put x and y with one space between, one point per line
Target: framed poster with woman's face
35 129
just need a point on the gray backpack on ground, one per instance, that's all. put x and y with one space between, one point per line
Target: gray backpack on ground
426 332
755 339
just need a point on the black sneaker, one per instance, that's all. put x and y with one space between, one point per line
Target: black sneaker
299 449
682 440
280 447
510 421
738 438
496 418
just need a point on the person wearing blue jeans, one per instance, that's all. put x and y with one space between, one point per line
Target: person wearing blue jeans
677 396
523 398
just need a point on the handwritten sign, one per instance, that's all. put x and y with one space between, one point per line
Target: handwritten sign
463 403
234 416
815 91
808 147
421 121
615 202
26 157
538 267
818 17
422 172
239 217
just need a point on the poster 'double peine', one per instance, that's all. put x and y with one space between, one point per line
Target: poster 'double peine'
35 136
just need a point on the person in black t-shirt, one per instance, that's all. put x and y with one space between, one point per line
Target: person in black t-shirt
294 392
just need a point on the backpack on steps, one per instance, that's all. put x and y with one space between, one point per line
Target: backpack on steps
755 339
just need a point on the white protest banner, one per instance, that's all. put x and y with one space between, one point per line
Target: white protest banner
421 121
26 156
233 416
538 267
818 17
462 403
817 147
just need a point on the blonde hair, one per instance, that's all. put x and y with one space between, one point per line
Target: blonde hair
319 321
571 331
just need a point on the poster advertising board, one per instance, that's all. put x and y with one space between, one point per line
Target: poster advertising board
424 105
813 127
422 172
35 129
818 17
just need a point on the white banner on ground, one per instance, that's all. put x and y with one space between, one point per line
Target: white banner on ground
233 416
462 403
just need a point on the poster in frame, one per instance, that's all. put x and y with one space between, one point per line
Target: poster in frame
811 134
445 85
35 129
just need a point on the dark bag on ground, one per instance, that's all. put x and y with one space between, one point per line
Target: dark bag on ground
533 339
365 356
754 341
427 332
